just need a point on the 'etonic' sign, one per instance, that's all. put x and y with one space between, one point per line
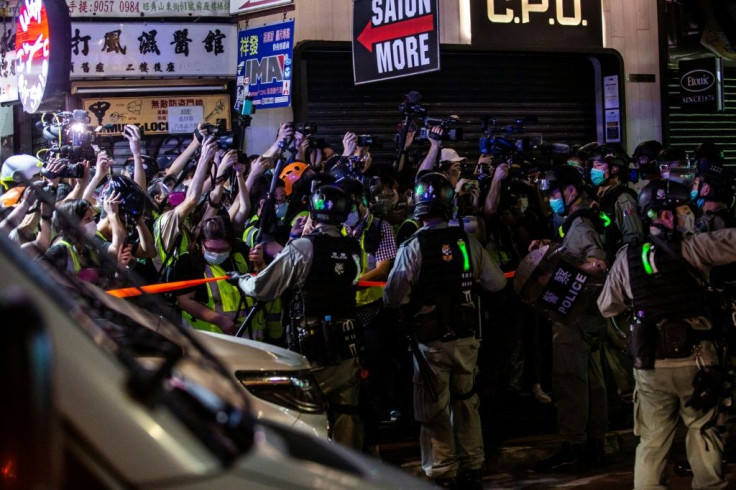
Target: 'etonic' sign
394 38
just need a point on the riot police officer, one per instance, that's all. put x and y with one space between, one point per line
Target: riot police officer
671 336
434 275
320 271
577 373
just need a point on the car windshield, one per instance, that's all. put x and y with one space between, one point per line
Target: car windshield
166 364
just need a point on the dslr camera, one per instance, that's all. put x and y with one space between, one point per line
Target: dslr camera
225 140
367 140
450 125
308 129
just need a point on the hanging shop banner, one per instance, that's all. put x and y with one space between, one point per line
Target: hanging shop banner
248 6
158 115
265 57
151 8
393 39
701 85
8 80
539 25
42 53
148 50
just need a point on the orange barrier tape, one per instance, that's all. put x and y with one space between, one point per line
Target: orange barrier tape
163 287
173 286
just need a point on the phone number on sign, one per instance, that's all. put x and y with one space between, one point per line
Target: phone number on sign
108 6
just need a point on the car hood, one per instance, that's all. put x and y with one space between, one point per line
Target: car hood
250 355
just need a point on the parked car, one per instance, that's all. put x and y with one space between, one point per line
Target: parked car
278 382
103 394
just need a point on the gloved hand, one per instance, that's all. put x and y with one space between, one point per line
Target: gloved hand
708 388
234 277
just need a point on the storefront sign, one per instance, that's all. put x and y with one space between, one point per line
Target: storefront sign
265 57
8 80
247 6
540 25
701 85
147 50
41 51
154 114
151 8
393 39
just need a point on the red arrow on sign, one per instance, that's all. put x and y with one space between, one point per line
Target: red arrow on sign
372 35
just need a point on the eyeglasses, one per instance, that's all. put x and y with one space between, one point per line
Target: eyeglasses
216 250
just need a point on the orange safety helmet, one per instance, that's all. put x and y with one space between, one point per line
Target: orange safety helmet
291 173
12 197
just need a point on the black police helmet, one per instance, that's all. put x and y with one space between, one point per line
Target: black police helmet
719 178
647 149
329 204
132 198
150 166
433 194
662 194
559 177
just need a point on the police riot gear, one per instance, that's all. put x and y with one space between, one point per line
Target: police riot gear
433 194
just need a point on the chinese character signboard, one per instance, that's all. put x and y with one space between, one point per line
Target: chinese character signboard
544 26
158 115
141 50
151 8
701 85
8 80
394 39
247 6
41 52
265 65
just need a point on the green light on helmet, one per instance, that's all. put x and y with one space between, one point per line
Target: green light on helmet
319 204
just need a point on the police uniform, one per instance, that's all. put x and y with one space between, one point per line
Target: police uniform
321 271
435 270
661 393
577 372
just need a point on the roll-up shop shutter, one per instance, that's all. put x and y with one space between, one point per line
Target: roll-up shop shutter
687 131
559 90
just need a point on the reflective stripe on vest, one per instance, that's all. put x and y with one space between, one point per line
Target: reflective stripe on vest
158 243
368 295
73 255
225 299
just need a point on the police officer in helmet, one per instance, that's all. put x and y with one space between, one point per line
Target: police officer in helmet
433 276
675 357
320 271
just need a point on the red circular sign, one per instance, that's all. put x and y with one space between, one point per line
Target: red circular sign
32 53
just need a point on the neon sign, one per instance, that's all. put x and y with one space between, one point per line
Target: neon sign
39 74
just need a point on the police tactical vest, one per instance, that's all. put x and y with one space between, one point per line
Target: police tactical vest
447 271
329 288
662 286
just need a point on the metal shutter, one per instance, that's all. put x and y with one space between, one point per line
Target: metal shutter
557 89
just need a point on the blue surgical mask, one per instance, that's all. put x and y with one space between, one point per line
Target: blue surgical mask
557 205
693 195
215 258
353 218
281 209
597 176
700 202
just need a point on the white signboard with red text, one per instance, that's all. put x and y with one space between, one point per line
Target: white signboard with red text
151 8
152 50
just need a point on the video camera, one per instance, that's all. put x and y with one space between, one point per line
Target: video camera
367 140
412 105
72 140
450 125
500 142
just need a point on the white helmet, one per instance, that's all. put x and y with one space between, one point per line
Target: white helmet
19 169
